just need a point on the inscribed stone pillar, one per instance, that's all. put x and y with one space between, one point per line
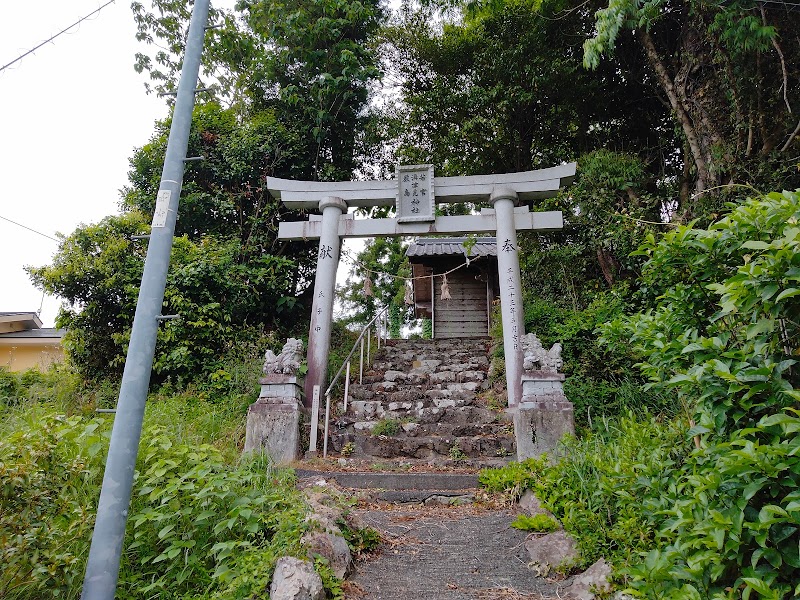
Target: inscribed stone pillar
319 335
504 200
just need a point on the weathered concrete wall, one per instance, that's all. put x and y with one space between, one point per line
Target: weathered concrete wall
273 421
544 416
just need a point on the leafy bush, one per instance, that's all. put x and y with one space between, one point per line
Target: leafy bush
192 519
50 476
359 540
57 384
710 510
606 487
386 427
722 335
456 454
198 527
9 386
512 479
221 299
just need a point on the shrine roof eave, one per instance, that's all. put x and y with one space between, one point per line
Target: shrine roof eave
529 185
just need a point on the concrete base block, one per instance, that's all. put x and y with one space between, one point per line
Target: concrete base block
539 426
541 383
275 430
277 388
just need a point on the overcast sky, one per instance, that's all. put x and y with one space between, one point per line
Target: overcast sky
72 113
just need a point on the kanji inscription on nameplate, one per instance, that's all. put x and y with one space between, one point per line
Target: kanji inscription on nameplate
162 208
415 196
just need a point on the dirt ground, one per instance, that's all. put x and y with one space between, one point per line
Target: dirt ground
446 553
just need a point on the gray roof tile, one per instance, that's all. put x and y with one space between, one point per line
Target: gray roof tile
484 246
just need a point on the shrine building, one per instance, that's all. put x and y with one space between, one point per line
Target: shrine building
455 293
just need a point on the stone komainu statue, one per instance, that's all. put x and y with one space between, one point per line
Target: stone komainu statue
288 361
536 358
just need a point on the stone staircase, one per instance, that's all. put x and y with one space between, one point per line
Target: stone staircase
426 400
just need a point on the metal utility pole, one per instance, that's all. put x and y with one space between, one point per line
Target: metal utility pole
102 569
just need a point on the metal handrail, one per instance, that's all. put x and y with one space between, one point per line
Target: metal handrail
338 373
353 349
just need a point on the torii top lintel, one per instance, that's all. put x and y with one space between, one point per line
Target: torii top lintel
529 185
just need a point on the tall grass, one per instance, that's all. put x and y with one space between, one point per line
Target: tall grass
204 522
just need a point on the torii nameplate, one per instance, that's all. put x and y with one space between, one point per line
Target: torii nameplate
415 194
529 185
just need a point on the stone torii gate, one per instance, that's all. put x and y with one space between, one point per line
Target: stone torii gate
414 193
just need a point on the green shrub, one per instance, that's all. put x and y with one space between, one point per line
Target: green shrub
387 427
456 453
193 517
331 583
50 477
606 489
722 335
594 398
360 541
199 527
540 523
9 387
511 480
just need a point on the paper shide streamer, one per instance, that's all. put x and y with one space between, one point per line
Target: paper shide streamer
445 289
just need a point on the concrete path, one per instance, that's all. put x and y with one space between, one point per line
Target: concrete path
446 553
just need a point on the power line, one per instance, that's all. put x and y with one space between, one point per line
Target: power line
30 229
51 38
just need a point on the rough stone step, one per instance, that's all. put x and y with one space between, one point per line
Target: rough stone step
391 392
431 388
438 497
426 447
441 429
397 481
459 411
460 415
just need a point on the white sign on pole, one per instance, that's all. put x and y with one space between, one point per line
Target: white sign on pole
415 194
162 208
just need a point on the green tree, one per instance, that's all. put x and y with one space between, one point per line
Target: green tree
98 269
729 72
383 261
310 62
296 78
225 196
500 87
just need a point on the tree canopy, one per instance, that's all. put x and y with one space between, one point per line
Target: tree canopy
729 72
665 105
288 99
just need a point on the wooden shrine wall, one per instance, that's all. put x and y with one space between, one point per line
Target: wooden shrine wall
466 313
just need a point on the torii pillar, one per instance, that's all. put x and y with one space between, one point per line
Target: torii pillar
504 199
319 335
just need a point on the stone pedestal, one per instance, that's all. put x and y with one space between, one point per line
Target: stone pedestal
544 416
273 421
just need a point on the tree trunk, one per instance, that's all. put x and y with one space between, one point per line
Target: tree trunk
608 264
680 111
